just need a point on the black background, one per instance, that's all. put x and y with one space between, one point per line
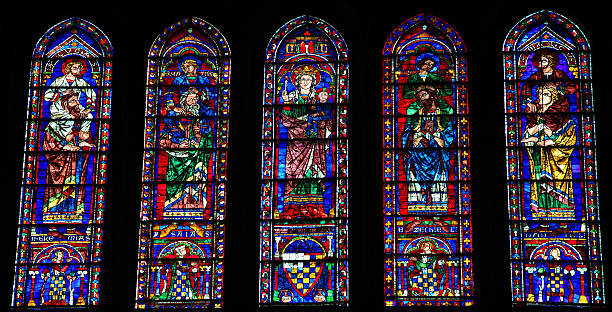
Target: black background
132 29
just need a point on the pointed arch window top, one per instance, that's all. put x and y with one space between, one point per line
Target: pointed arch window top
282 46
73 36
548 90
394 44
544 24
181 34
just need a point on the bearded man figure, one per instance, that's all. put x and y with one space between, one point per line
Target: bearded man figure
186 136
67 168
428 132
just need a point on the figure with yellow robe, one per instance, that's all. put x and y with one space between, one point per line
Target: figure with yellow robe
551 134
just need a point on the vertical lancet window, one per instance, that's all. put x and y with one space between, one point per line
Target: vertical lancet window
64 175
551 164
184 168
304 208
426 166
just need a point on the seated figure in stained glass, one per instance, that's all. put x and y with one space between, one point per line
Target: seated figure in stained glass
306 159
183 137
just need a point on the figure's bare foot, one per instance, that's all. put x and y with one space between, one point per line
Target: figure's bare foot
70 147
86 144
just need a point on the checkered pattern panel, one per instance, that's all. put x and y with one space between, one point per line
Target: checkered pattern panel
57 290
180 289
427 280
302 278
555 284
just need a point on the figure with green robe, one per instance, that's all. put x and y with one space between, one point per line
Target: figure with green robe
185 136
427 65
428 265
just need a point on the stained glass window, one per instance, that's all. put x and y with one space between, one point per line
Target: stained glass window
184 168
304 209
426 173
552 181
64 174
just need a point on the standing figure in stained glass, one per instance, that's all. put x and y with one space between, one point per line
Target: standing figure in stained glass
305 159
63 139
427 65
552 134
184 136
428 132
73 69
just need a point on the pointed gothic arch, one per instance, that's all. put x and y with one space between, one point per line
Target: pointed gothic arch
64 175
426 166
184 178
551 166
304 177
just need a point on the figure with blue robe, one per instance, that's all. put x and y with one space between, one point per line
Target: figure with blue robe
189 77
427 135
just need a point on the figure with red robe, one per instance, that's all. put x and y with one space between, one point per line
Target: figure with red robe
305 160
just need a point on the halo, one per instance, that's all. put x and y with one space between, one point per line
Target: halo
189 58
535 59
306 69
544 250
325 89
74 59
431 55
429 242
416 244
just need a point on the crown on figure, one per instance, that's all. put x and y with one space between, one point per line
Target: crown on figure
306 70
